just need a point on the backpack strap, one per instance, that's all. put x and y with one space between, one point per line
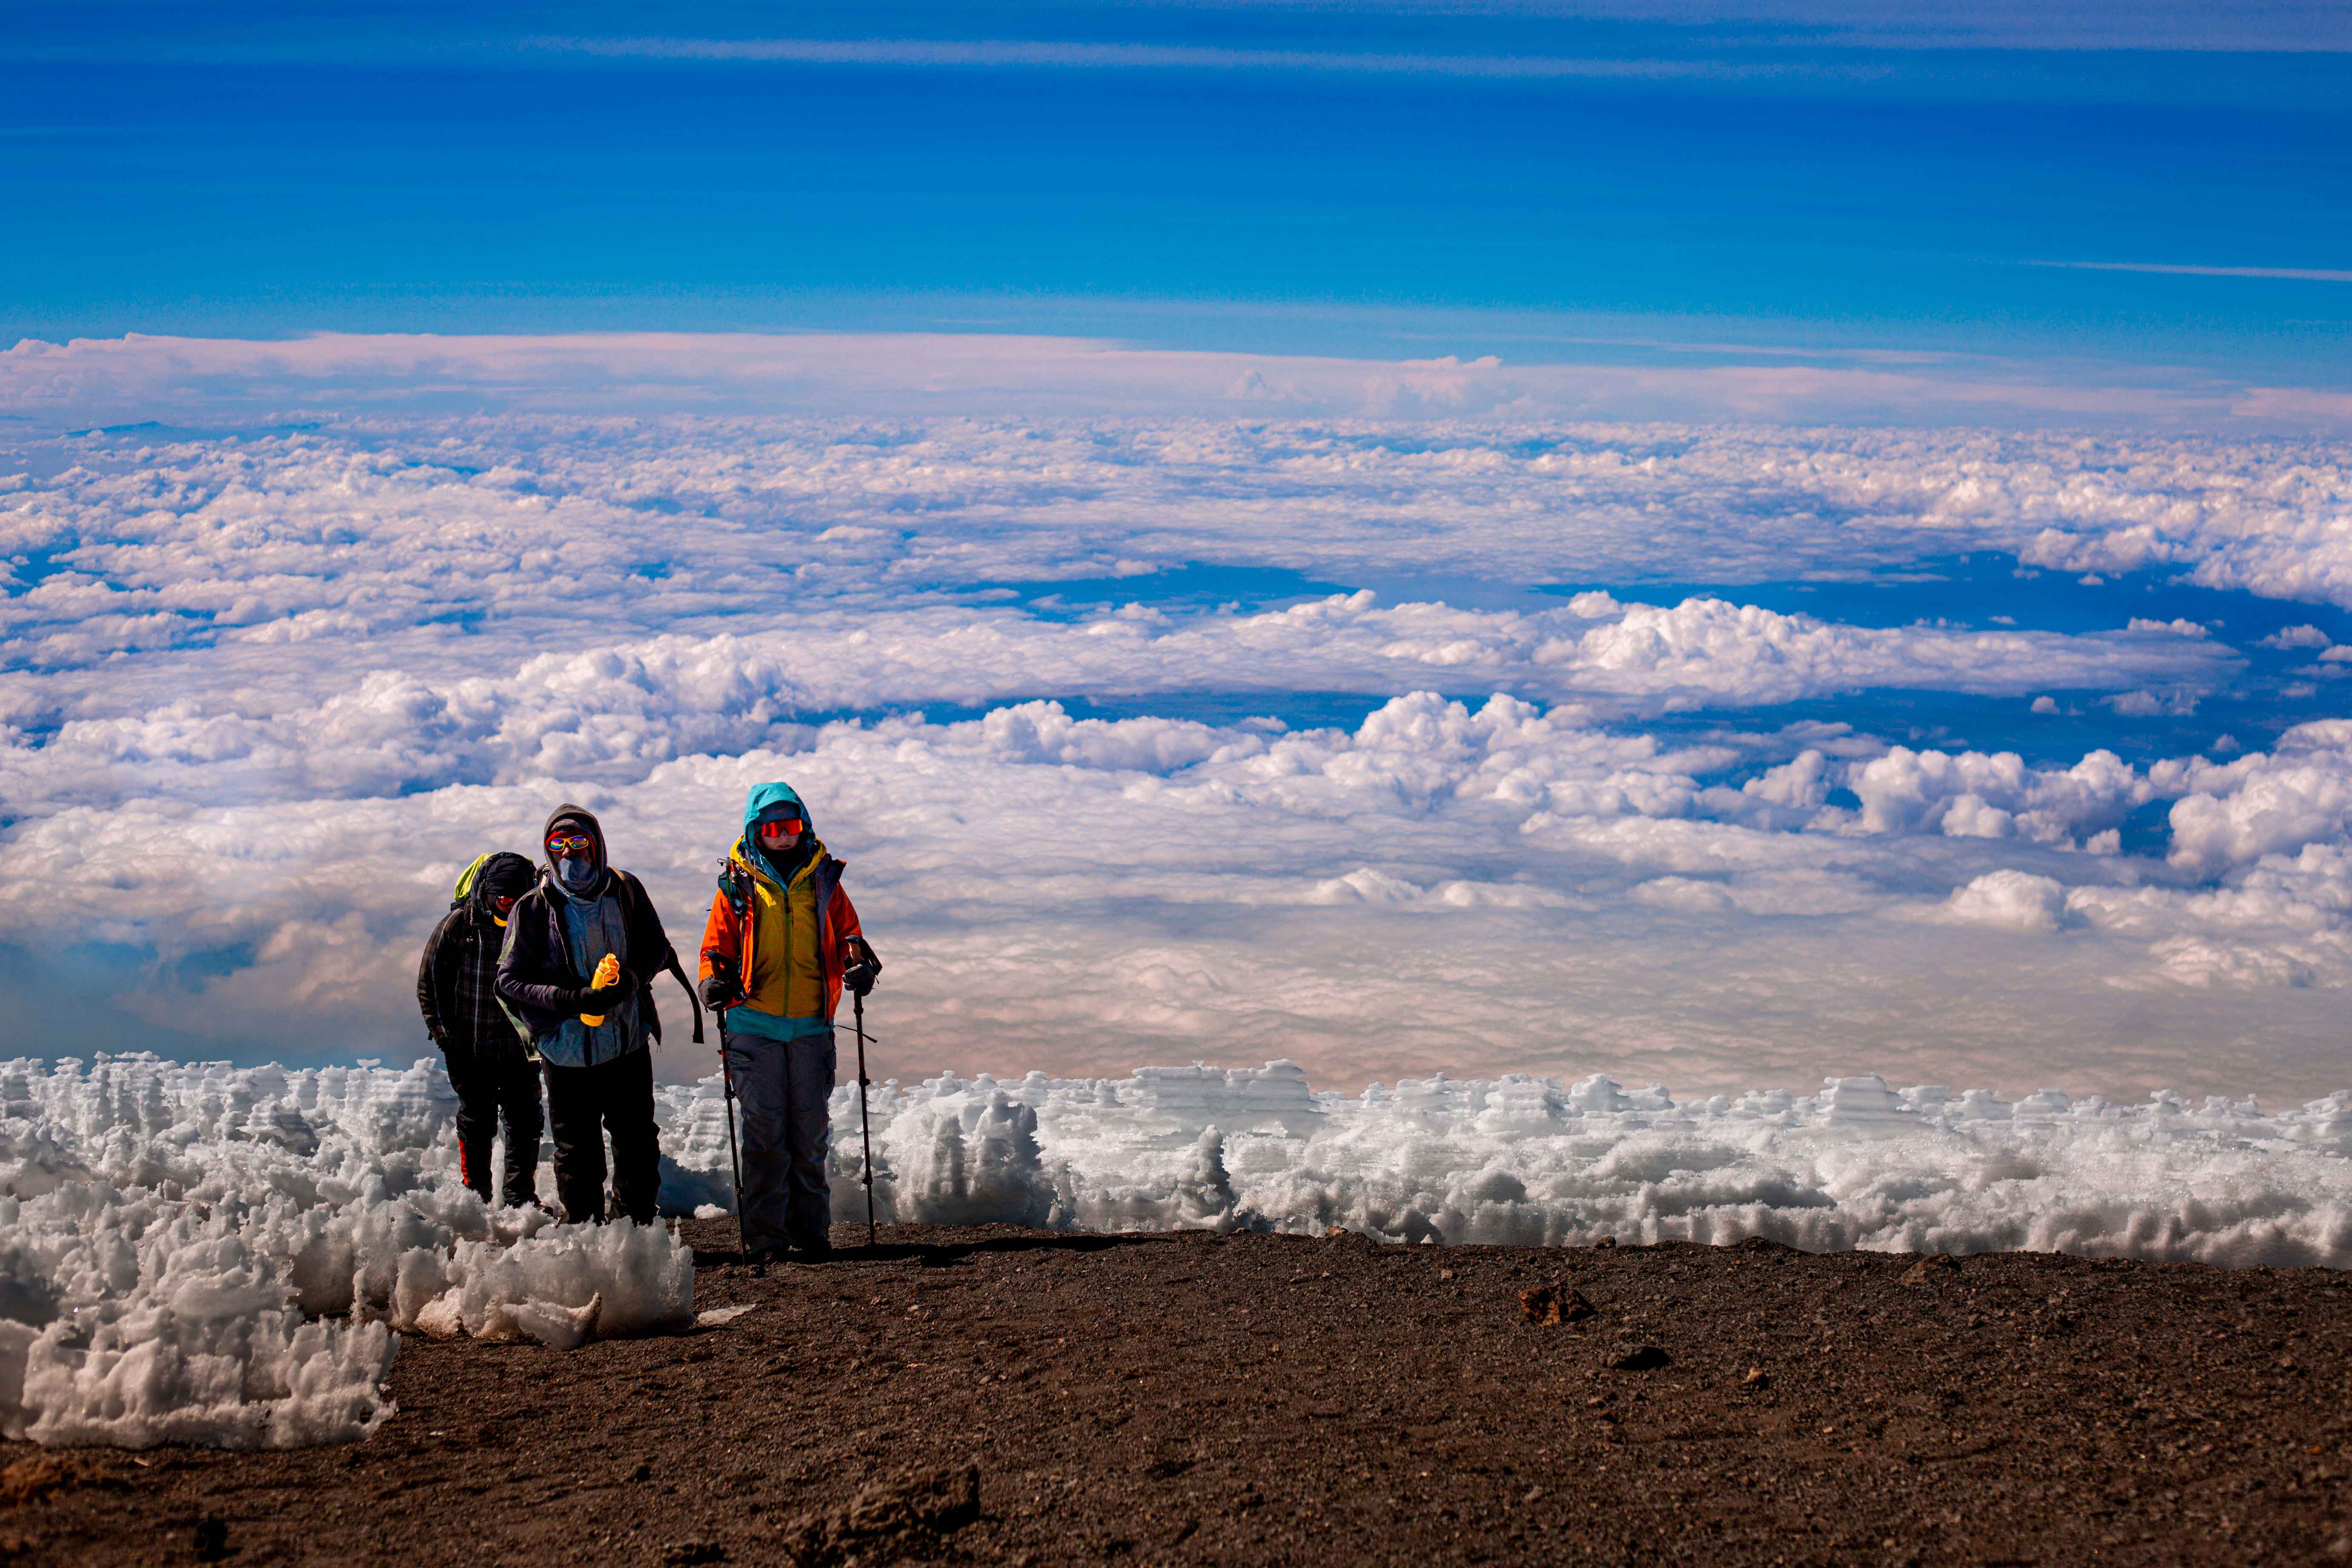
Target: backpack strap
691 999
633 893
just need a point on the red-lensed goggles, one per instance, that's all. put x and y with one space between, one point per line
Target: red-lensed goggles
570 843
781 826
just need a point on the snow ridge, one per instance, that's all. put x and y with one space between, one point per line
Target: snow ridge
1531 1162
208 1254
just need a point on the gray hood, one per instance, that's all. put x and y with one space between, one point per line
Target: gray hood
580 817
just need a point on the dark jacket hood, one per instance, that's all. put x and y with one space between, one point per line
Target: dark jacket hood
502 874
580 817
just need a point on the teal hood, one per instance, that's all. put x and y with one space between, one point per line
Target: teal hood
763 801
766 798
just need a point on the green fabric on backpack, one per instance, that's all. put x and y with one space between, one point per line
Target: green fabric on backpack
466 879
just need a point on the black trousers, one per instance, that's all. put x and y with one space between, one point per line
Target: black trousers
583 1104
498 1084
786 1093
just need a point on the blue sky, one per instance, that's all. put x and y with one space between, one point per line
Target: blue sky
1594 183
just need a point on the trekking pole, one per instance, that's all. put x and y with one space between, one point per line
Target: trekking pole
730 888
734 1155
865 1119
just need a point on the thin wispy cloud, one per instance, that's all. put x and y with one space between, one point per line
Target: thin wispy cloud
117 29
1051 55
2297 274
2277 26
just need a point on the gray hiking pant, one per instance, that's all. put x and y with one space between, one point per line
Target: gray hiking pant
785 1090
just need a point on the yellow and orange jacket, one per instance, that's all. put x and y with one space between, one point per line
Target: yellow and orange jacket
734 931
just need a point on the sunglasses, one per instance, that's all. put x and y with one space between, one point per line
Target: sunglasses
571 844
775 829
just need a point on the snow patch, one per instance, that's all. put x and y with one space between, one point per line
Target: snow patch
201 1253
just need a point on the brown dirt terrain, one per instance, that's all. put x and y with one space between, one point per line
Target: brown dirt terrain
996 1396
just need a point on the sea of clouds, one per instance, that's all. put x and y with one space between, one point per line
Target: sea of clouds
1153 738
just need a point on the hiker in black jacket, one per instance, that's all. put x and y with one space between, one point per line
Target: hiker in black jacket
488 1067
592 1038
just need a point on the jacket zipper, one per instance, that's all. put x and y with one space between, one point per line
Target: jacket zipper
819 893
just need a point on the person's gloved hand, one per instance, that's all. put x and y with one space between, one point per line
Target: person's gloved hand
861 967
719 992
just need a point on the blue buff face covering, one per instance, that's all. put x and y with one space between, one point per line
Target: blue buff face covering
576 873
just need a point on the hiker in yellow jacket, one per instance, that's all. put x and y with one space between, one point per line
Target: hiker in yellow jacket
782 939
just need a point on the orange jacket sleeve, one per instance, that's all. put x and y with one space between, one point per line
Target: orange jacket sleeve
841 921
722 940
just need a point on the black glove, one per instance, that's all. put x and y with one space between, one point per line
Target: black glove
719 992
861 967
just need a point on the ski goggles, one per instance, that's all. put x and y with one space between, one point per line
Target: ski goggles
570 844
778 826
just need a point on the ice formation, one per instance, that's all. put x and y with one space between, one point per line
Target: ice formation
1532 1161
203 1253
219 1255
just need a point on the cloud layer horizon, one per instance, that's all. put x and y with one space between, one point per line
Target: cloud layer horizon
1392 720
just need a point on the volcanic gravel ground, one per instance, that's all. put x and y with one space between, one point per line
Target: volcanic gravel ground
1260 1399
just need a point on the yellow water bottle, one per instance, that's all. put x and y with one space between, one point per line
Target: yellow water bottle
608 974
